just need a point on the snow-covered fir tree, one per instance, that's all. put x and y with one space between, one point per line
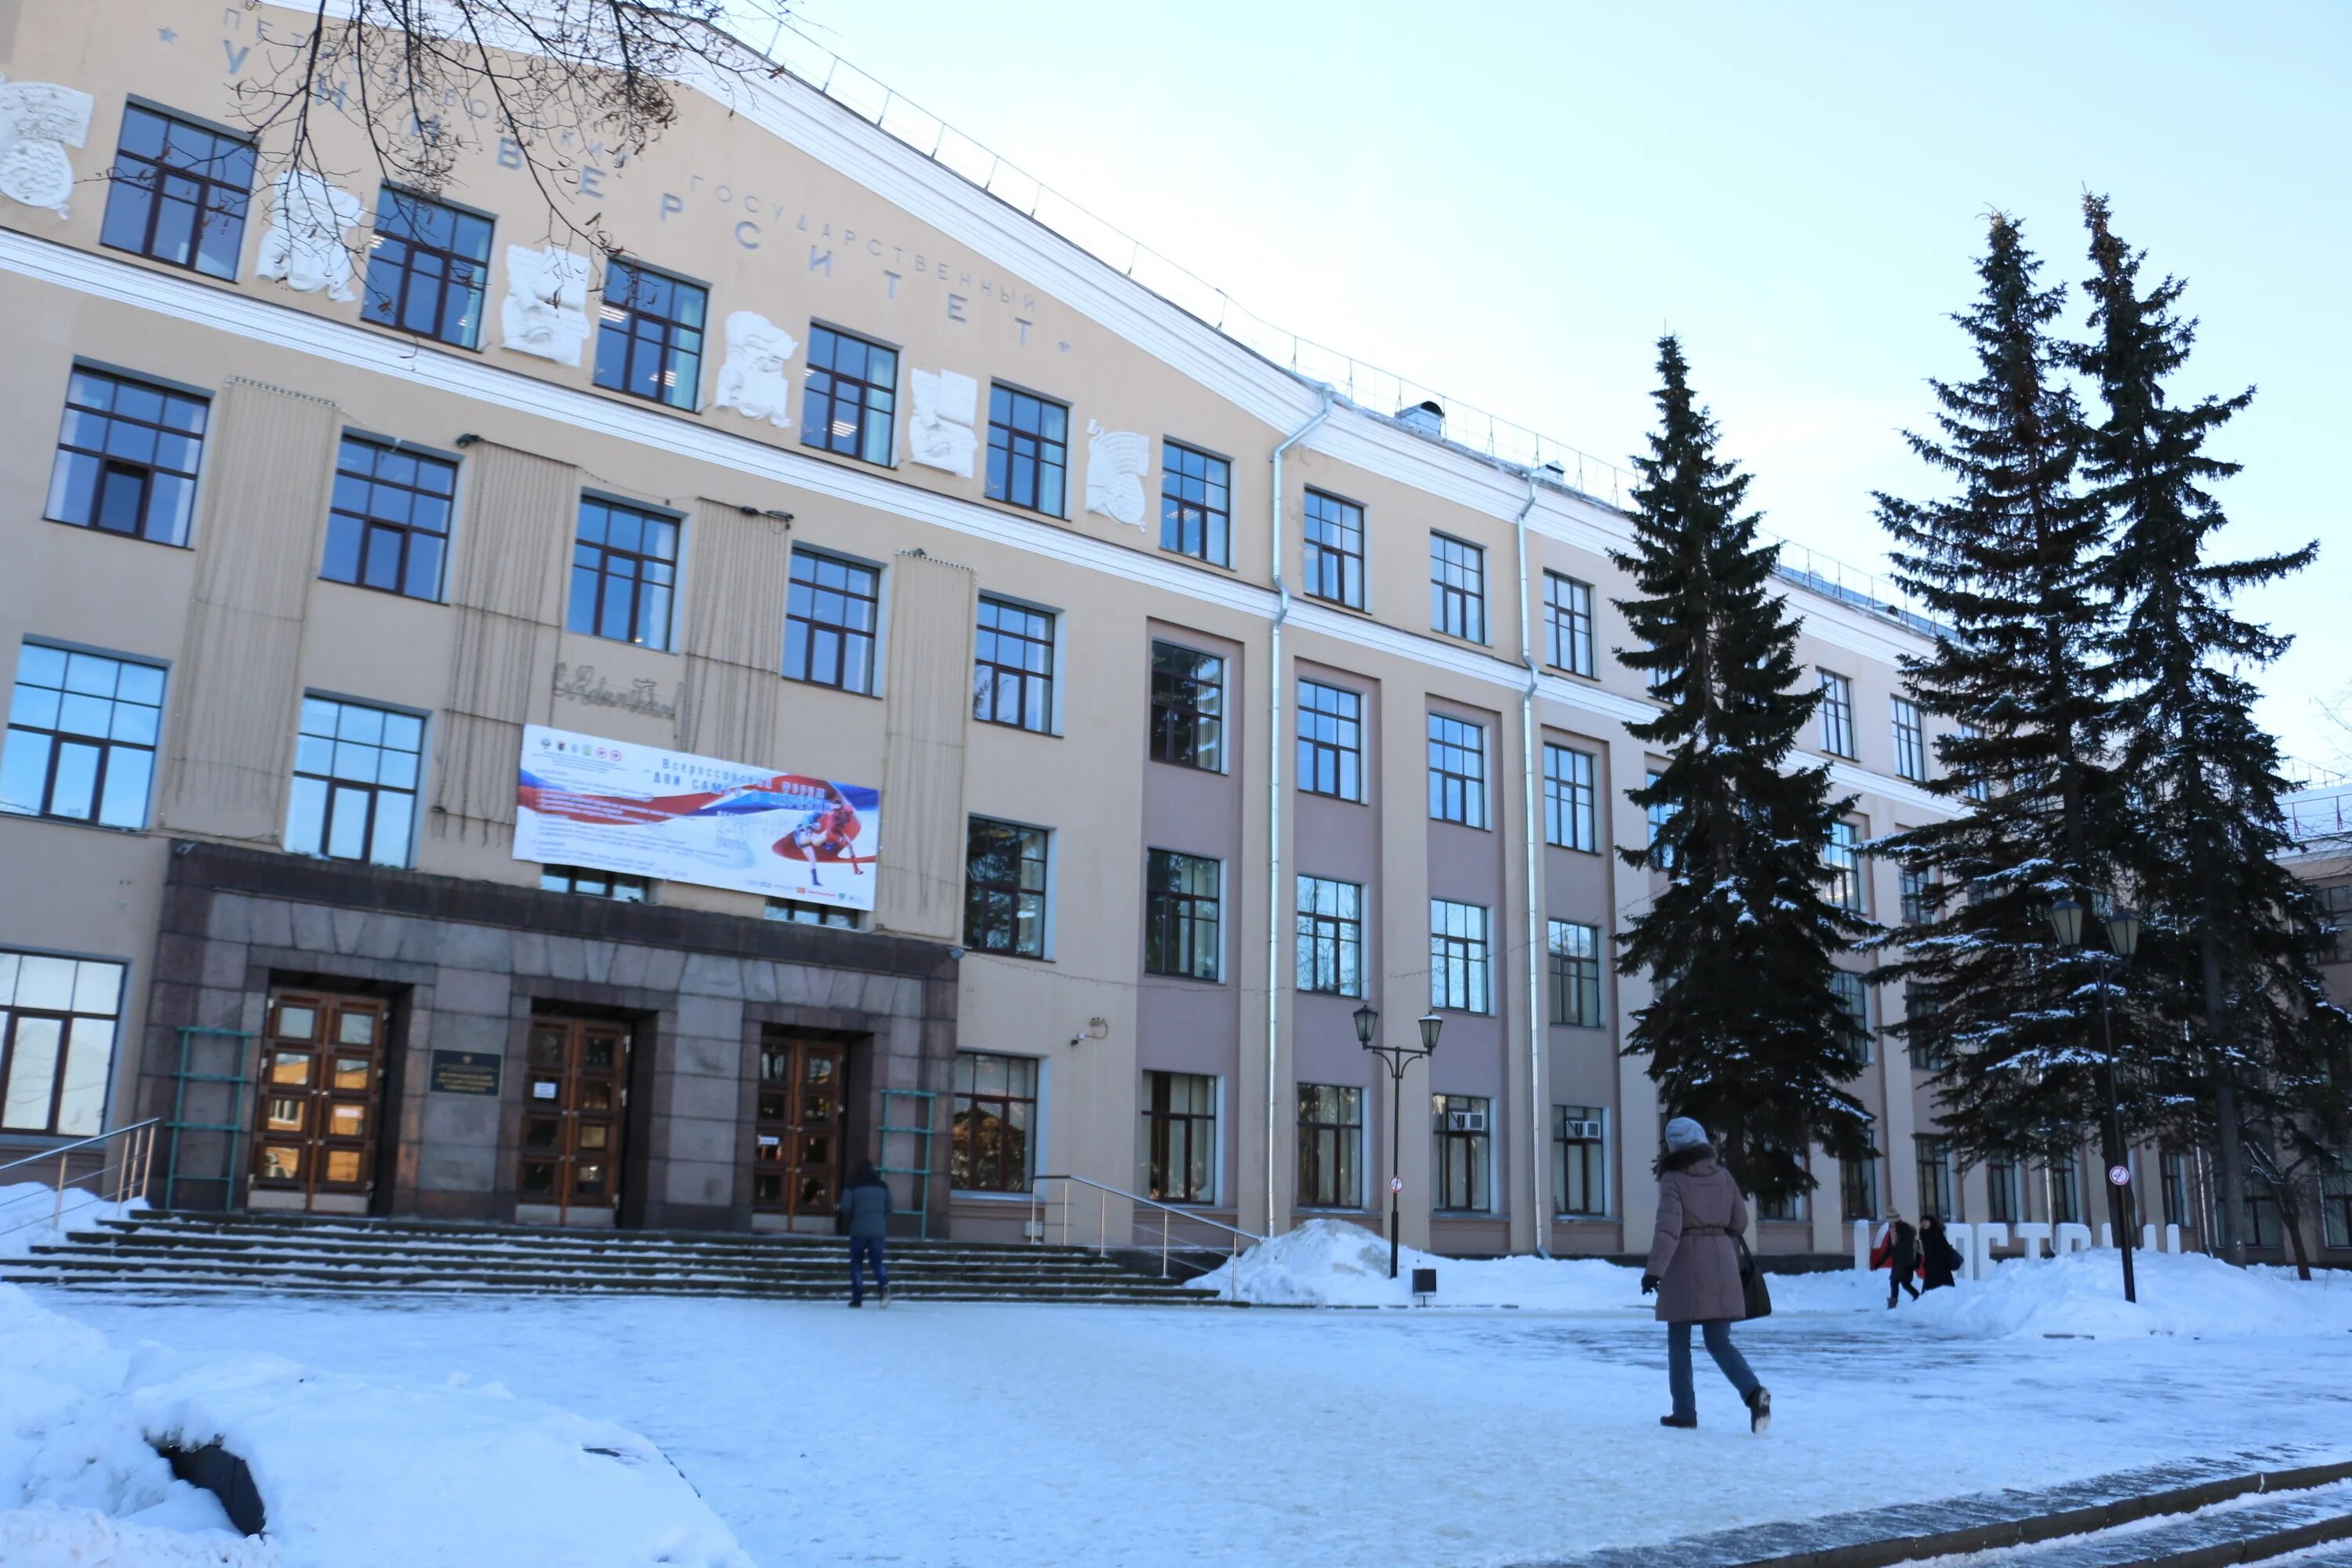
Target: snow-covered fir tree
1745 1033
2010 560
2229 928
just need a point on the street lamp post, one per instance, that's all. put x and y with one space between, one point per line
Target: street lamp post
1398 1058
2123 941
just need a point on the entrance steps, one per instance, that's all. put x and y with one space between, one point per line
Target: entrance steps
170 1253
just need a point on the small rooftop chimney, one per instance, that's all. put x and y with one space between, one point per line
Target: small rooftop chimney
1426 419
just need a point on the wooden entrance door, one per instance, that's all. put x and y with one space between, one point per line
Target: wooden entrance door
796 1160
574 1096
322 1091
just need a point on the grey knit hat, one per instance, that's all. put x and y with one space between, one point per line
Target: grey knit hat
1682 1134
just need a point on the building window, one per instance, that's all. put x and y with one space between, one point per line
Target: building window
2335 912
428 265
355 772
2172 1179
1977 788
1013 667
1464 1147
851 400
2065 1194
1458 956
831 615
57 1042
591 883
1579 1161
991 1142
1330 937
1457 771
1330 740
1179 914
2004 1190
1028 449
1910 740
1660 816
1457 588
1940 1190
178 192
1195 504
1837 715
1569 804
1575 958
1854 1000
1004 889
1788 1208
1843 859
623 571
1188 708
1335 550
1911 884
793 911
127 454
1858 1188
1930 1051
1568 624
389 527
649 339
1180 1137
82 731
1330 1146
2335 1207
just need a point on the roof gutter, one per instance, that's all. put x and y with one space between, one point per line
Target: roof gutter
1538 942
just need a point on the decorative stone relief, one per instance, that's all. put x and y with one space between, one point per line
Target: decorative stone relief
304 246
752 380
939 432
1117 461
546 309
39 121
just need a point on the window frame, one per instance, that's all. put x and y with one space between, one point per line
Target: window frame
1579 1000
1457 608
55 737
1204 725
1213 506
1184 927
989 673
1572 803
1020 900
1201 1152
234 212
334 786
1448 784
1478 1163
1858 1179
1932 1153
1046 454
1330 1147
1849 986
1465 956
369 524
620 886
1570 625
1910 739
618 321
1837 714
804 597
1324 557
799 912
1337 738
876 403
15 1011
1594 1158
186 482
1335 934
1847 886
647 585
965 1101
452 263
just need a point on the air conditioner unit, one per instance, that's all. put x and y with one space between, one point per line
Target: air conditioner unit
1465 1121
1588 1129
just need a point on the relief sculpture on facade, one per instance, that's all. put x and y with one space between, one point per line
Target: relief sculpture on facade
39 121
303 245
546 308
753 381
939 431
1117 461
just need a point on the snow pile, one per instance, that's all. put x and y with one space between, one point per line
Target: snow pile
2179 1293
1336 1263
27 1209
347 1468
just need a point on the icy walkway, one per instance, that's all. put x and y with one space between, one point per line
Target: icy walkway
987 1435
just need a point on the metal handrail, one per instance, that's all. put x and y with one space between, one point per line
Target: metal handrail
139 1152
1169 1214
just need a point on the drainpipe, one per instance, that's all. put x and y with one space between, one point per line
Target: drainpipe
1537 943
1274 750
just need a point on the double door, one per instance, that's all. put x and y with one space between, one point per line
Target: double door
322 1059
576 1100
801 1112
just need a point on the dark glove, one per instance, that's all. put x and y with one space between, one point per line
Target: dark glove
1649 1284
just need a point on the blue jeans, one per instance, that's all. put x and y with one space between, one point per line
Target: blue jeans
862 1248
1718 1345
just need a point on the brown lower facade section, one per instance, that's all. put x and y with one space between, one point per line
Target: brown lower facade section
351 1039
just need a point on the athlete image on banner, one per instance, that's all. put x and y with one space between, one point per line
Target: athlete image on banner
648 811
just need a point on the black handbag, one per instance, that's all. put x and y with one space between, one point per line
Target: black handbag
1752 1289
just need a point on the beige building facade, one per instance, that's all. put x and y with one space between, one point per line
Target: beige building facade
1204 706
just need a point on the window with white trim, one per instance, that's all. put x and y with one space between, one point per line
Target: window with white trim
57 1022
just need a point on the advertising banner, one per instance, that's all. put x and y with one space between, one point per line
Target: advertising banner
648 811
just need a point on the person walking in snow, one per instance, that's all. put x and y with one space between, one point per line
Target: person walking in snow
865 1204
1694 1268
1939 1260
1902 1262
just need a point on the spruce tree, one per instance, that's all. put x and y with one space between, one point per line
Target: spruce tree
2009 560
1745 1033
2230 927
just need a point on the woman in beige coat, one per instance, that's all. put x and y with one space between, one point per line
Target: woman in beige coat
1694 1267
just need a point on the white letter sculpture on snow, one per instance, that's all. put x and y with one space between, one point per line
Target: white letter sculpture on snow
939 432
39 121
303 245
1117 461
546 308
752 380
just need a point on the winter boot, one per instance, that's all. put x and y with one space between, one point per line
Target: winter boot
1682 1421
882 1297
1760 1412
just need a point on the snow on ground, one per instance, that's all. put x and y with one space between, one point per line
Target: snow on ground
28 1211
971 1434
1336 1263
352 1467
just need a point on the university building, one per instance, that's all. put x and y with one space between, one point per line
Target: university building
1193 704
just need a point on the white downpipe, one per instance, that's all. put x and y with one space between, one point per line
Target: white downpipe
1273 895
1539 945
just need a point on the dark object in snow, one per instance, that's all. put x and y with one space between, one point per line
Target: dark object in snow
224 1476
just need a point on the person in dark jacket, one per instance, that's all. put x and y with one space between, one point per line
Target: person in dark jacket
1939 1260
1694 1268
1902 1262
865 1204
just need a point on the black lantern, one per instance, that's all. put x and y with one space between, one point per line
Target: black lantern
2066 919
2123 932
1430 1023
1367 1021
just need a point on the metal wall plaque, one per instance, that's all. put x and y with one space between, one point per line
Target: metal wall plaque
466 1072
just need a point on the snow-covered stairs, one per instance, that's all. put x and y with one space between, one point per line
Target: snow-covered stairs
190 1253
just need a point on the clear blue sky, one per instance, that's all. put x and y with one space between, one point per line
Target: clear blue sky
1508 201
